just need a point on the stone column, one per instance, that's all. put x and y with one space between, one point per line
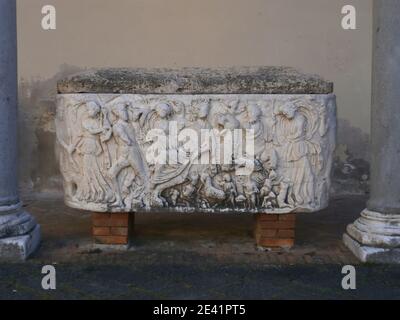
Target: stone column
375 236
19 232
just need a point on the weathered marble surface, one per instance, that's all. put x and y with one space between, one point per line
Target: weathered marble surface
15 224
240 80
19 232
20 247
103 143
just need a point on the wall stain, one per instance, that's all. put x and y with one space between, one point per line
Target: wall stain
351 169
38 168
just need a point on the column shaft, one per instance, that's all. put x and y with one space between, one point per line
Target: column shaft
385 130
19 232
375 236
8 105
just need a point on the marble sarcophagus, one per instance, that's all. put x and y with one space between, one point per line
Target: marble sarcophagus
258 140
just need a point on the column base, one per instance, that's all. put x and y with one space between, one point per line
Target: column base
374 237
20 247
371 254
19 233
275 231
113 229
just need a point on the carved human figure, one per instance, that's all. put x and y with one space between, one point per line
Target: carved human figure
169 175
251 192
266 195
157 117
164 174
133 191
280 187
198 117
292 130
253 122
92 186
264 149
230 189
128 150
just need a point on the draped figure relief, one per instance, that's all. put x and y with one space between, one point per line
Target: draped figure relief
105 141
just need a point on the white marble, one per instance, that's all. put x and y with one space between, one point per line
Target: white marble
104 143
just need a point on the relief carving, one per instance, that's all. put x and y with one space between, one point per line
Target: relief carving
105 141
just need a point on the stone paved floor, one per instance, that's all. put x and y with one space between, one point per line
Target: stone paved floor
196 256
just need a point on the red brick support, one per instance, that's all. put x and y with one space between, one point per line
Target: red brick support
113 228
275 230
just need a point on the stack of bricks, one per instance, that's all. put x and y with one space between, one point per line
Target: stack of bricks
275 230
113 228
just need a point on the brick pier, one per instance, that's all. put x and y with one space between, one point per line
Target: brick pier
275 230
112 228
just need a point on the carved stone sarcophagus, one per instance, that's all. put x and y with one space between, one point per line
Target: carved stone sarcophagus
225 140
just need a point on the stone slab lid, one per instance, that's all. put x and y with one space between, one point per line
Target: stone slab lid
239 80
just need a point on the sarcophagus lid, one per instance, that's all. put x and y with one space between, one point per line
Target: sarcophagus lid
240 80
